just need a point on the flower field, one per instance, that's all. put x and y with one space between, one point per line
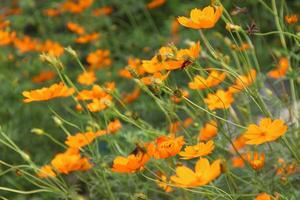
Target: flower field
150 99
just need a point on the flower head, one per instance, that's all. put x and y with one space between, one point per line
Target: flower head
256 160
87 78
46 171
214 78
209 131
166 146
242 82
70 161
292 19
44 94
267 130
219 100
203 174
134 162
202 19
198 150
281 69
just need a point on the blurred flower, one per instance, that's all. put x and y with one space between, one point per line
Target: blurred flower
165 146
43 76
237 162
81 139
54 91
203 174
209 131
280 70
162 182
156 78
256 160
99 59
105 10
70 161
169 58
75 28
243 81
114 126
266 131
26 44
134 162
7 37
202 19
130 97
214 78
51 12
52 48
198 150
86 78
243 47
87 38
238 143
219 100
265 196
291 19
135 65
155 4
46 172
77 6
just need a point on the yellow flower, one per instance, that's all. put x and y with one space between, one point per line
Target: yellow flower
200 149
202 19
266 131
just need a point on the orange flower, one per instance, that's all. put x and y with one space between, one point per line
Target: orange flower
242 82
134 162
209 131
237 162
46 172
81 139
263 196
243 47
256 160
201 19
114 126
162 182
43 76
105 10
6 37
52 48
98 105
155 4
134 64
214 78
70 161
87 38
169 58
156 78
51 12
203 174
96 92
281 69
174 27
75 28
238 143
129 98
26 44
198 150
87 78
99 59
266 131
77 6
166 146
292 19
174 127
44 94
219 100
187 122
